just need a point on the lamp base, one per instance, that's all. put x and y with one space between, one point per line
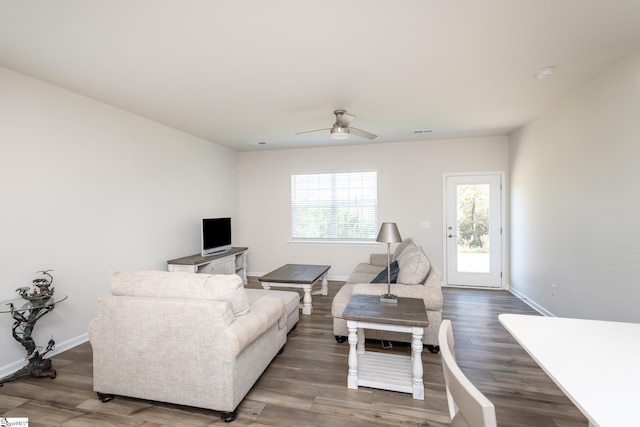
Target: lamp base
389 298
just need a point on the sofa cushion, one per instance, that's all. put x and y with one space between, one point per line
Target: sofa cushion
414 266
189 286
364 273
432 296
291 301
365 268
382 277
402 246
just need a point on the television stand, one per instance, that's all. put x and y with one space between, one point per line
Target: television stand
229 262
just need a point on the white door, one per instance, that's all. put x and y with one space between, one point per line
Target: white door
473 229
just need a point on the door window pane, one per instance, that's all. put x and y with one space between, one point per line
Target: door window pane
473 228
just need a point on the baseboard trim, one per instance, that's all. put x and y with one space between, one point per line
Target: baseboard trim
537 307
59 348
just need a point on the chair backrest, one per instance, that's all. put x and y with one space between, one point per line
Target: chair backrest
468 407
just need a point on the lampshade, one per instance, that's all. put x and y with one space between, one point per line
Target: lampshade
339 132
389 233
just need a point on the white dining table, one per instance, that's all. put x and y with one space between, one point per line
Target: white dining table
595 363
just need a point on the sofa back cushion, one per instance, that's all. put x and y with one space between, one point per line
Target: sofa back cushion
185 286
408 242
413 266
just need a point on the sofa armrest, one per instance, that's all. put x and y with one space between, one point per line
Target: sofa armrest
248 327
379 260
434 278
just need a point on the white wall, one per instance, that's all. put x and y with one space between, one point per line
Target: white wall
85 189
575 205
410 183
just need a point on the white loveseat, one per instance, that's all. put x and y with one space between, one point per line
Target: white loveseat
185 338
417 277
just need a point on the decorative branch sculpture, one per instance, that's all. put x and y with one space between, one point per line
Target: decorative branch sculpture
39 303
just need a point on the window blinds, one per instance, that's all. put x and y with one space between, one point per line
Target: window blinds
334 206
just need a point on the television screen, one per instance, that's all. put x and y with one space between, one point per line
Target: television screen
216 235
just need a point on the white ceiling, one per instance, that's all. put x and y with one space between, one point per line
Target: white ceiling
247 71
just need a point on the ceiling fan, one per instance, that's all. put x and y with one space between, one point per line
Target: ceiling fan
341 128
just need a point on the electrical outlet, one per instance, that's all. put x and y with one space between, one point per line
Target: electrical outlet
425 224
553 290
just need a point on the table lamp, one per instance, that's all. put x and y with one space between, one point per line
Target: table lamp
389 234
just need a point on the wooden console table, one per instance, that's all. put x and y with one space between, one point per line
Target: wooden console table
382 370
230 262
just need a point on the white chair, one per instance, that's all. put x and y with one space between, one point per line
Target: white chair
468 407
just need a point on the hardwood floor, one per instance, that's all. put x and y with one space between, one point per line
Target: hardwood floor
306 385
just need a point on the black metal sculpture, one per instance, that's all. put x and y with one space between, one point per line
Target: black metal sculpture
38 303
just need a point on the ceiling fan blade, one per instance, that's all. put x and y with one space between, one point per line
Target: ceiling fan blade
309 131
343 119
362 133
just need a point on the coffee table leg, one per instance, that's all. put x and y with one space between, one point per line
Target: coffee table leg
324 289
325 286
416 356
352 377
307 308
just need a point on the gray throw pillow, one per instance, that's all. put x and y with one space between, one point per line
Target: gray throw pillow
382 276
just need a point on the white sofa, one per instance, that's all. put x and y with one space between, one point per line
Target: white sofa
417 277
185 338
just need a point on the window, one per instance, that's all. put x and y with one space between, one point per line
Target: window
334 206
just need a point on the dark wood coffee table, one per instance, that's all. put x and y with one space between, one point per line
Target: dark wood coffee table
382 370
298 276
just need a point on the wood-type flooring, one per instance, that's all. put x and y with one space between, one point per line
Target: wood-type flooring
306 384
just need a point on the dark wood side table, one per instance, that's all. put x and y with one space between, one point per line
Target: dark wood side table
25 315
382 370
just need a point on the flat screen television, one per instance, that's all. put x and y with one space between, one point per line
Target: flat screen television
216 236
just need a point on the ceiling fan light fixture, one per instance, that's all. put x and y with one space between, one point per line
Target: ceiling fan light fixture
338 132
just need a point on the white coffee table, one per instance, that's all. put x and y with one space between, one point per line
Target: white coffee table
383 370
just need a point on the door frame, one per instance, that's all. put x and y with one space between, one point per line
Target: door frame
503 235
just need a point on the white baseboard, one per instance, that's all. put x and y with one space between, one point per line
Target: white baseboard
59 348
537 307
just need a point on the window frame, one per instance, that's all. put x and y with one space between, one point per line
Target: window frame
336 204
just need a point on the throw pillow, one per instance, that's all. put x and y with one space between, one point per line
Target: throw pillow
414 267
382 276
402 246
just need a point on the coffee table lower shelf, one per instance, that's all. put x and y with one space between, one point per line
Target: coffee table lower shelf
385 371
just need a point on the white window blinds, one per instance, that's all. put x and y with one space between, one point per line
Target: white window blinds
334 206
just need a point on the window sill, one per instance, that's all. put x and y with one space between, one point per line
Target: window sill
335 242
